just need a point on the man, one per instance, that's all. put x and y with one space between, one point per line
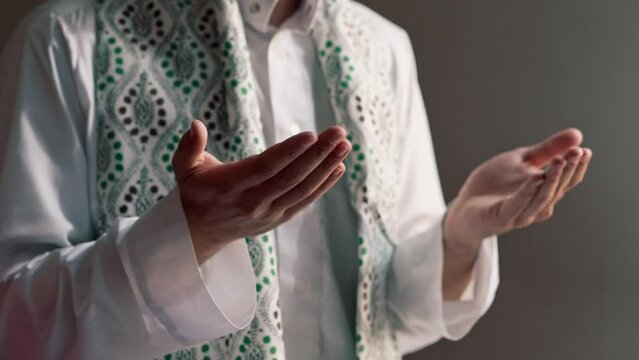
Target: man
232 256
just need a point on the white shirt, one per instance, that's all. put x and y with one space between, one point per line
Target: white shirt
136 291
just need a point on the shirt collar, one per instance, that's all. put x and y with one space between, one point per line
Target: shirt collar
257 14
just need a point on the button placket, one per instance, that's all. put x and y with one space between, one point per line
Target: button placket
275 59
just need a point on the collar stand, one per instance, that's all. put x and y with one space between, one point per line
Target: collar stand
257 14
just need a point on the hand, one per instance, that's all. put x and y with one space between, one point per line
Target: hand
516 189
224 202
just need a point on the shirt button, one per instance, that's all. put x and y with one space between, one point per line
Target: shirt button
294 128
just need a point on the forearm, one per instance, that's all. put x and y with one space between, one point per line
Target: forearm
50 304
140 281
459 259
459 262
415 289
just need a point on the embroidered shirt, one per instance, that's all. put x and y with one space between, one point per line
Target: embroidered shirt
47 202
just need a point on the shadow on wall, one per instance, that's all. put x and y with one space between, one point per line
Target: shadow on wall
12 12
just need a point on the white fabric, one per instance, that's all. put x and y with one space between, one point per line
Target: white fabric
136 291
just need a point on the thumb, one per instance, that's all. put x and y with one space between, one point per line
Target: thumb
191 150
556 145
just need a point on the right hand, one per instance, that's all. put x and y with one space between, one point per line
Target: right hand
224 202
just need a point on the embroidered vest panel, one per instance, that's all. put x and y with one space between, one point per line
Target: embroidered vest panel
161 63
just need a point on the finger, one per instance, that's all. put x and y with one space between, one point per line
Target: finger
259 168
582 168
301 167
323 189
557 144
515 204
314 180
190 150
572 157
545 194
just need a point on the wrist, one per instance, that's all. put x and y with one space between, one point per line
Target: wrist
204 250
459 261
460 254
205 246
456 237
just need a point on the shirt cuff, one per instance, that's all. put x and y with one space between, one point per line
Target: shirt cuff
175 295
415 291
460 316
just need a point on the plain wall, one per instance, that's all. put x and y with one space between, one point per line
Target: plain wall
11 12
503 73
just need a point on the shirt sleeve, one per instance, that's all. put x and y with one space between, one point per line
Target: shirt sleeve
415 290
135 291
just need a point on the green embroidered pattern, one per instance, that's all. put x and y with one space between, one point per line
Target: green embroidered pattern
357 71
161 63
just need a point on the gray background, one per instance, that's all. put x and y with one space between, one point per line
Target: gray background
502 73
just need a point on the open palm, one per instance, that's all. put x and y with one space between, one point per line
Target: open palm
517 188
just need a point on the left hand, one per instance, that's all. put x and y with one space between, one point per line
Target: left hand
516 189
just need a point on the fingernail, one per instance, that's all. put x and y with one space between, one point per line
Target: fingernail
309 140
558 166
336 137
588 152
574 157
342 149
341 130
334 140
338 171
192 129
